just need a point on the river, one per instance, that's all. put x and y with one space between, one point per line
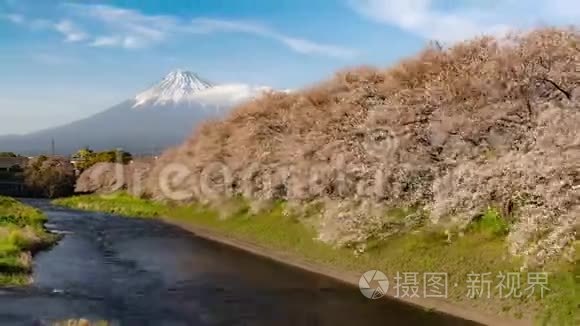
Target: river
145 272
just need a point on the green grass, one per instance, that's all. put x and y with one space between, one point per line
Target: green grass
491 223
21 234
479 249
14 212
117 203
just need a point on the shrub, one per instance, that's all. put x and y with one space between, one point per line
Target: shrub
87 158
50 177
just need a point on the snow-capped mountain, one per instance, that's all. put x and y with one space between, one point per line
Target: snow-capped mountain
176 87
187 88
159 117
182 87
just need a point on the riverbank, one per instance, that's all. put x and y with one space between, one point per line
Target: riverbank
275 234
21 234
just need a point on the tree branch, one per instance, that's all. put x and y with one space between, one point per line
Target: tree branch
568 94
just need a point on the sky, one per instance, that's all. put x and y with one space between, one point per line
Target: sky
65 60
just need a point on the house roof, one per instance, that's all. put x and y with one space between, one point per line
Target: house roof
8 162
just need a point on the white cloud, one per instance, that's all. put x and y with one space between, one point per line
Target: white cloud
127 42
309 47
19 19
13 18
467 18
132 29
127 28
108 26
107 41
71 31
206 26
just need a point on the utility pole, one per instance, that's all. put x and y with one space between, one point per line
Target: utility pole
52 147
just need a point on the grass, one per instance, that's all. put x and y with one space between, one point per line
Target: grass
117 203
491 223
480 249
21 234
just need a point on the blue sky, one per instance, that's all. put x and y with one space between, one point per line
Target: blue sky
64 60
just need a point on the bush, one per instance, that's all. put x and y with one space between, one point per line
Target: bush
87 158
50 177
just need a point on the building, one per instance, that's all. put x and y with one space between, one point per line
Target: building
8 164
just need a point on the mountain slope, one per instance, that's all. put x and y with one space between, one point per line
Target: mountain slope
159 117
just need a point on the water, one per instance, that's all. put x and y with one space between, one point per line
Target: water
144 272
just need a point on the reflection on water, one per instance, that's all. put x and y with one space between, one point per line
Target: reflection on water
143 272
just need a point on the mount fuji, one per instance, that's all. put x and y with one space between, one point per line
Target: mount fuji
157 118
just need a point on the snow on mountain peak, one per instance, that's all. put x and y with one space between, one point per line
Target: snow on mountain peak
186 88
176 87
185 80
